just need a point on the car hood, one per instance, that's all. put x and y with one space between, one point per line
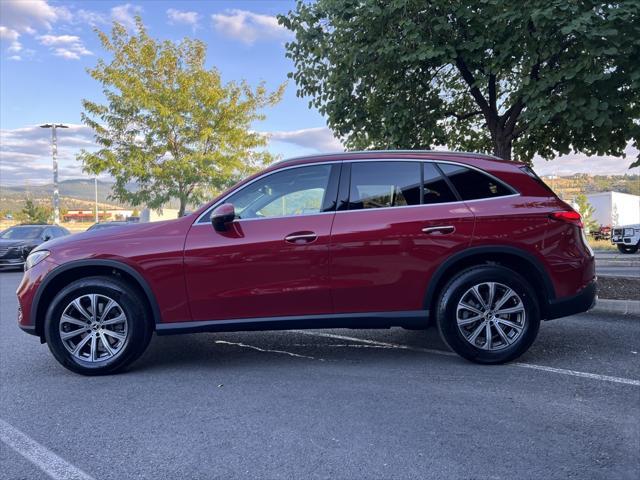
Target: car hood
17 243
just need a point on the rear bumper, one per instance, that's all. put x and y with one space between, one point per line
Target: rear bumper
584 300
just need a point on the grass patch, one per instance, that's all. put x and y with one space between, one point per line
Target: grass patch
602 245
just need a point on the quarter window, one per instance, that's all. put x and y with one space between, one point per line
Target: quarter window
384 184
472 184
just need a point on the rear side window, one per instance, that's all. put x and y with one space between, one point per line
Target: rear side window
529 171
436 189
384 184
472 184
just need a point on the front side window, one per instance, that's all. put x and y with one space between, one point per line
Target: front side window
296 191
472 184
384 184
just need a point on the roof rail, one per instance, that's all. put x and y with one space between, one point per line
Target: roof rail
365 152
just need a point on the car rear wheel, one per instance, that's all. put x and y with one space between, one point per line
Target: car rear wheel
97 326
488 314
627 248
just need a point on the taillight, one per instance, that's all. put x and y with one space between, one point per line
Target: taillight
570 216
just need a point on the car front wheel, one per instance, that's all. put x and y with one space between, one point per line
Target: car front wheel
488 315
97 325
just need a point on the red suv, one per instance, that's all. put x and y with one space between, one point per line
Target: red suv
477 245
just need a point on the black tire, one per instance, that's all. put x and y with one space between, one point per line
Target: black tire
138 320
627 248
446 314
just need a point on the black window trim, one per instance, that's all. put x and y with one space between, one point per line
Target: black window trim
199 220
345 179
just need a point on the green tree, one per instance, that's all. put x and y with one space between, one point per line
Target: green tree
512 78
586 211
170 125
34 213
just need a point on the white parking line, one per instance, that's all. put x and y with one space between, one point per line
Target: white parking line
562 371
40 456
253 347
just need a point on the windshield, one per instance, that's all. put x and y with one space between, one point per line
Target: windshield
21 233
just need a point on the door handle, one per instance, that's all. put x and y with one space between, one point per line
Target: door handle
301 237
442 229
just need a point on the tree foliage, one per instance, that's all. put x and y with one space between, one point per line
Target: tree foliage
34 213
586 210
169 124
538 77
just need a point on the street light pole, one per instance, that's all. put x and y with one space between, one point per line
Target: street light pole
54 154
95 179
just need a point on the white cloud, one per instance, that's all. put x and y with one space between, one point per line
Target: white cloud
26 16
320 139
248 26
15 58
11 36
594 165
125 15
65 46
185 18
25 153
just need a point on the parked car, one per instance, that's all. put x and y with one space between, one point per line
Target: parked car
627 238
101 225
478 246
16 242
602 233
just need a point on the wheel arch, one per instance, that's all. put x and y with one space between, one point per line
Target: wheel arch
68 272
511 257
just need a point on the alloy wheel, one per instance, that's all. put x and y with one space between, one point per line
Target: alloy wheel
93 328
491 316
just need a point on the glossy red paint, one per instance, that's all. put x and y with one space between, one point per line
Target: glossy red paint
251 270
374 260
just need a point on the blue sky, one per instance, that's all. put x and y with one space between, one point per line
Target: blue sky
46 46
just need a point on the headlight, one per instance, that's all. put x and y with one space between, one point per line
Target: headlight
35 258
628 232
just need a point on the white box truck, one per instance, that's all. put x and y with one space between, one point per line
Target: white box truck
615 208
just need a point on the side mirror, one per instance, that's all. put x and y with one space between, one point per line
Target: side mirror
222 216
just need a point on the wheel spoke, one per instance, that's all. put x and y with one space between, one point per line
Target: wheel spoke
509 323
81 309
466 306
116 335
476 332
106 310
476 293
81 343
505 311
73 321
94 347
106 345
508 293
467 321
71 334
115 320
492 292
94 307
503 335
487 334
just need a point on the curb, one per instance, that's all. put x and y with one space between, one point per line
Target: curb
624 307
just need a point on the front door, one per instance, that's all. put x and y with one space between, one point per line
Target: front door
274 259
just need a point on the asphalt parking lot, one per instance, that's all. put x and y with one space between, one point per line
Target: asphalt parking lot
327 404
618 264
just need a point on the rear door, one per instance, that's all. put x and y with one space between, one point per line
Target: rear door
274 260
397 221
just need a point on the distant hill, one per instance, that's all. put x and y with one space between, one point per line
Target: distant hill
570 186
80 189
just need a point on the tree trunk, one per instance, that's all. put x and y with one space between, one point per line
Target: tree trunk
502 148
183 206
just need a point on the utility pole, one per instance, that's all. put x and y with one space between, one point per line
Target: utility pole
54 154
95 179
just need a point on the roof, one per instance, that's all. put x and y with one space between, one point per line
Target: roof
365 153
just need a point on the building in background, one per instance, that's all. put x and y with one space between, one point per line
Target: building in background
149 215
89 216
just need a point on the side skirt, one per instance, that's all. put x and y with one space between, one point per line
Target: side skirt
417 319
